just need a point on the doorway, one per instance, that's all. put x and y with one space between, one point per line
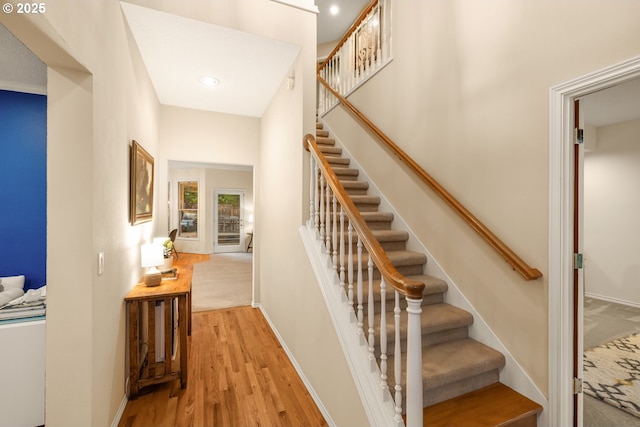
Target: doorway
611 306
565 330
228 227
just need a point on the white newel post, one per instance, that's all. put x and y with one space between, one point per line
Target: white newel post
414 363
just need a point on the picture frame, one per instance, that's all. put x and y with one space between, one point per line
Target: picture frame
141 185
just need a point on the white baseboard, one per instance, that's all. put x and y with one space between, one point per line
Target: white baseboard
312 393
123 405
611 299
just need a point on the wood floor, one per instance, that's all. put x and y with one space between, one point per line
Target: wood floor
239 375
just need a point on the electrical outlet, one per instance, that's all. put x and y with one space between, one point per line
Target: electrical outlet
100 263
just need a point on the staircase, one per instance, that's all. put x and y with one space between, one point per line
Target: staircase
460 376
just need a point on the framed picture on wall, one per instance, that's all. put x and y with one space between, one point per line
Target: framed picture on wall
141 185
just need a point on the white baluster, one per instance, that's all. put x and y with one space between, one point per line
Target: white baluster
322 208
342 271
350 261
360 298
383 334
359 280
335 234
370 314
328 222
397 359
414 363
316 195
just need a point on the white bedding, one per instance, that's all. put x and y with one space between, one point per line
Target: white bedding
9 295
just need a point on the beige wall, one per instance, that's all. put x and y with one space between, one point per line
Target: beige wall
290 294
467 96
611 206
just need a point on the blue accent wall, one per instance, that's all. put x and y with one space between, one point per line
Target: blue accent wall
23 187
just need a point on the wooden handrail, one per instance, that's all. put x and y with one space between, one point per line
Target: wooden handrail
410 288
351 29
514 260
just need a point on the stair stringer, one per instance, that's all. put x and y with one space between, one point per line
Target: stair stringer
512 375
377 402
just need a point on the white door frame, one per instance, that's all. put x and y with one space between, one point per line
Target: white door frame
560 277
228 248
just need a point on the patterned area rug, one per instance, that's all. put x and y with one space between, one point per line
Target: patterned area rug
612 373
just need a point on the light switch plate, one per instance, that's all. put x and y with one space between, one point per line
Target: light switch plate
100 263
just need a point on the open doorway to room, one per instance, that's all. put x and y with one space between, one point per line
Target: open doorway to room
567 234
214 218
611 249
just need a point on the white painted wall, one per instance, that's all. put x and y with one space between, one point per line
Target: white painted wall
611 207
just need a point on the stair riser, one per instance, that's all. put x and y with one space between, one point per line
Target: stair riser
440 394
427 339
406 270
387 246
352 191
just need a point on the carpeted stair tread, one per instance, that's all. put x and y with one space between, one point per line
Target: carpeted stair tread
390 240
346 173
319 125
433 319
377 216
355 186
493 405
322 140
365 199
321 132
398 258
335 160
329 149
432 286
454 361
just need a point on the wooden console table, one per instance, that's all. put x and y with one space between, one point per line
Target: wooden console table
144 306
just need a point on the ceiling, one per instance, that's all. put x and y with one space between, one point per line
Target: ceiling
332 27
178 52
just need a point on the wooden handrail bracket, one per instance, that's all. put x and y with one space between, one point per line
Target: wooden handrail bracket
527 272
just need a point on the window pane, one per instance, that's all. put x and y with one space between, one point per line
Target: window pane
188 208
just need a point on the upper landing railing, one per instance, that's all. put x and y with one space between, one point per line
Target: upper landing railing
363 50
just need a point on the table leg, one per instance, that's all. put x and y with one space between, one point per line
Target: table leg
134 356
184 355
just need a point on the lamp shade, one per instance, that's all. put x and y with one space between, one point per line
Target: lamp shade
160 240
151 255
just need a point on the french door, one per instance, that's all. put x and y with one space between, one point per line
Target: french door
228 234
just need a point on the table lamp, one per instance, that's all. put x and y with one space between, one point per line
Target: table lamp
152 255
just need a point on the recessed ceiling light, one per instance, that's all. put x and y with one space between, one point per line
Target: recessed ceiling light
208 81
334 10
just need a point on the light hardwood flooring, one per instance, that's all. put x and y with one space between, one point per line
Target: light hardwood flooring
239 375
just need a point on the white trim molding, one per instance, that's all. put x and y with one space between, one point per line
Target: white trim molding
561 229
307 5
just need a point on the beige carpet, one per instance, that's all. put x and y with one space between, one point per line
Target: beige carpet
222 282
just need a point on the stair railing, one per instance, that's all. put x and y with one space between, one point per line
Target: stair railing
363 50
517 263
335 219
